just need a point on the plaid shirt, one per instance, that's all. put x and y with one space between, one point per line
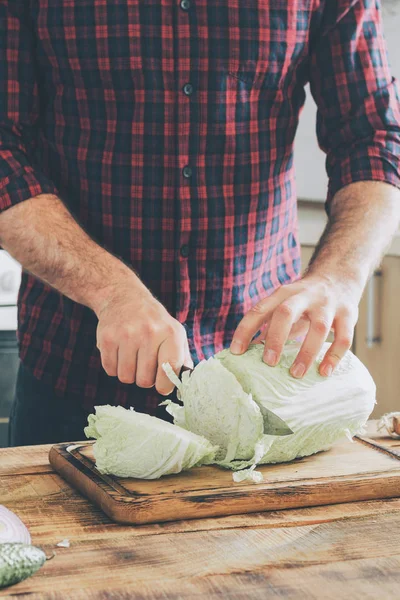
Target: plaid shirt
167 129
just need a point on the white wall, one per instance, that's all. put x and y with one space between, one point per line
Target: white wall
309 160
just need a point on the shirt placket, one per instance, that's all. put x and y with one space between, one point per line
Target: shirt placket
185 95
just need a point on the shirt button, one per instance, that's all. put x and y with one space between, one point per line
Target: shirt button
187 171
188 89
184 251
185 4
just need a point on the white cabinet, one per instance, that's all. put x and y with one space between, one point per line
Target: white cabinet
379 318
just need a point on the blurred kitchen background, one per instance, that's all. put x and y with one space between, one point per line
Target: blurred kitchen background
377 336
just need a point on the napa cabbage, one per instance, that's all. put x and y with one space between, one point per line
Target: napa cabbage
319 410
225 414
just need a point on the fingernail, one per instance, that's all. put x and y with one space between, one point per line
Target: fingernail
327 370
298 370
270 357
236 347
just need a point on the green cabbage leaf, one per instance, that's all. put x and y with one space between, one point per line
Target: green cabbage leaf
132 444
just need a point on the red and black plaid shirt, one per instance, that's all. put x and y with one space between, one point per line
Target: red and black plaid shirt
167 128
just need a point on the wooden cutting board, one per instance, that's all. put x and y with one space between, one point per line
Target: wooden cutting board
349 472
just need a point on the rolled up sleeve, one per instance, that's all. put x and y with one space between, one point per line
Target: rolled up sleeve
19 108
358 121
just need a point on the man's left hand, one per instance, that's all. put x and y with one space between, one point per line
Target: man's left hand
313 306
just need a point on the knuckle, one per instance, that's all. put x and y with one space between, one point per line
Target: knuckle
345 340
127 333
171 330
334 357
326 297
349 313
284 311
106 339
260 308
321 326
325 291
345 311
306 356
149 329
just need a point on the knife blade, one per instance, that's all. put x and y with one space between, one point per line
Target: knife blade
274 425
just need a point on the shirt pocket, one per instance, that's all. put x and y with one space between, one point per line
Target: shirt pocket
263 64
253 57
244 95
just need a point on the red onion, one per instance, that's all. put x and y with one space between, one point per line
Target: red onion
12 528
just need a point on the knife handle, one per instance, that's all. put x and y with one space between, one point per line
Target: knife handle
183 369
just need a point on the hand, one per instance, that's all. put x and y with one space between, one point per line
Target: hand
136 335
313 305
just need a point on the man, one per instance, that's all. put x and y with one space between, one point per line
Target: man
147 188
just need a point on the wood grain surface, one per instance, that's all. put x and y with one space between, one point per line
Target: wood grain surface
350 471
343 551
381 441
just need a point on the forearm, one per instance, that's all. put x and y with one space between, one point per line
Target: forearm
42 235
364 216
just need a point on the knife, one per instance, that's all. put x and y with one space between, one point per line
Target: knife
273 425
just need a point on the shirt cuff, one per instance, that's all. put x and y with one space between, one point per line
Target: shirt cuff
368 164
22 185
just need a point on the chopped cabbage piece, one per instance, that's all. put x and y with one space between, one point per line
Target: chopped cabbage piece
132 444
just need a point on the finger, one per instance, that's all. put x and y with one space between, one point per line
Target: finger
264 330
108 353
172 351
320 325
146 368
344 332
299 329
287 313
127 358
253 321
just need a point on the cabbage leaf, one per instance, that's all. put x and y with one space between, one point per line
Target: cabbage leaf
132 444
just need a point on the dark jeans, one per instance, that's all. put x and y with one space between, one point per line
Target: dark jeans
39 416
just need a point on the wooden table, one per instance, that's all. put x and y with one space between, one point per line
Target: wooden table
332 552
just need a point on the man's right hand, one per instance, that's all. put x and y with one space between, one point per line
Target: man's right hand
136 335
